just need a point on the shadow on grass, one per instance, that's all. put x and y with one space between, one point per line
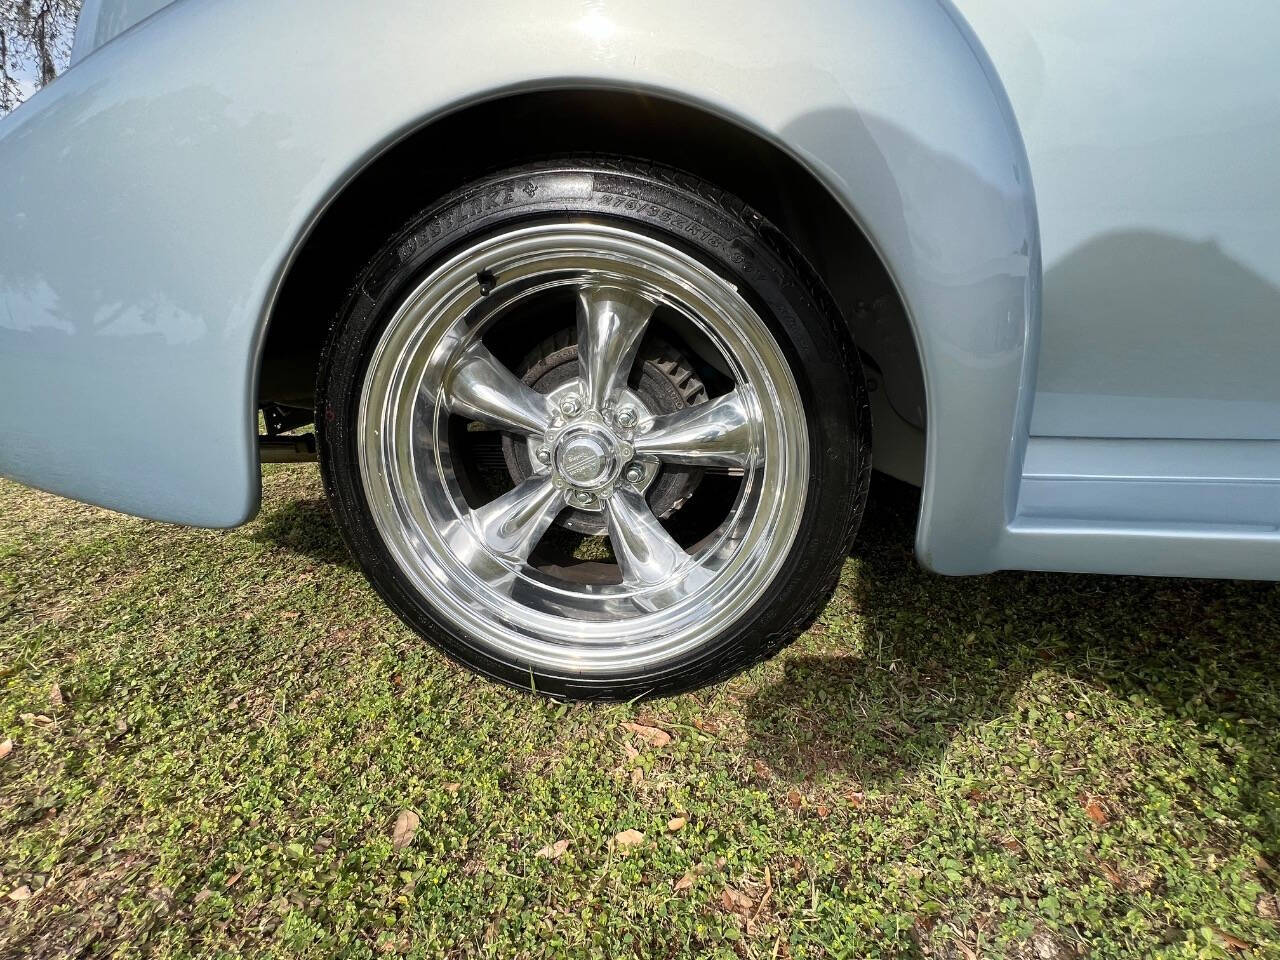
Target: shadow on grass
938 654
306 527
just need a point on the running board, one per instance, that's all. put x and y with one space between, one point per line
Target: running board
1208 508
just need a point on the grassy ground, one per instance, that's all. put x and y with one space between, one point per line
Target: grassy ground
215 735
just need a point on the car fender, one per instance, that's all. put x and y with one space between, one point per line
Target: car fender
153 197
103 20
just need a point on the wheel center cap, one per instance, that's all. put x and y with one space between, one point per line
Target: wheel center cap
584 459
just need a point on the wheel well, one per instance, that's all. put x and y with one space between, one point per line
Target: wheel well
499 133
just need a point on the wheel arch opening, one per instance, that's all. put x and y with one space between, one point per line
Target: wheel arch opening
520 127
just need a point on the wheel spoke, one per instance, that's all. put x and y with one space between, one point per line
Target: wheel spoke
717 432
481 388
647 554
513 524
611 322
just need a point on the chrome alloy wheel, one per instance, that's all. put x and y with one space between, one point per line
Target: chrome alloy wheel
593 446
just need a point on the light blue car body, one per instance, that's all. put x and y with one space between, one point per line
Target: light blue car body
1076 203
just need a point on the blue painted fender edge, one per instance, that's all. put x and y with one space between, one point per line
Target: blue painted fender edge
152 198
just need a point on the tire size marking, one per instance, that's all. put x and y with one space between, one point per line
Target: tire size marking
674 221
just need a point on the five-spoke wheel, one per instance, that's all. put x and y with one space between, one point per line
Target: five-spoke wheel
544 381
595 445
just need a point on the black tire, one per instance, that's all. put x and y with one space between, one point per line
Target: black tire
727 236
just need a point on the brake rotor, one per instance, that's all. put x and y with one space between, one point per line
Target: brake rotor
665 383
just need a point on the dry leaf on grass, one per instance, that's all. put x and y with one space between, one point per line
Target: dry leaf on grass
676 823
795 799
856 798
653 736
406 826
1093 809
735 901
234 878
629 838
690 878
1233 943
452 788
55 696
6 748
553 851
1113 878
39 719
21 893
1269 907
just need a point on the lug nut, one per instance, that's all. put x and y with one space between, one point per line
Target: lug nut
584 498
626 417
635 473
544 455
571 406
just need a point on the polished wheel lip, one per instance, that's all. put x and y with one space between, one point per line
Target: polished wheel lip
430 362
